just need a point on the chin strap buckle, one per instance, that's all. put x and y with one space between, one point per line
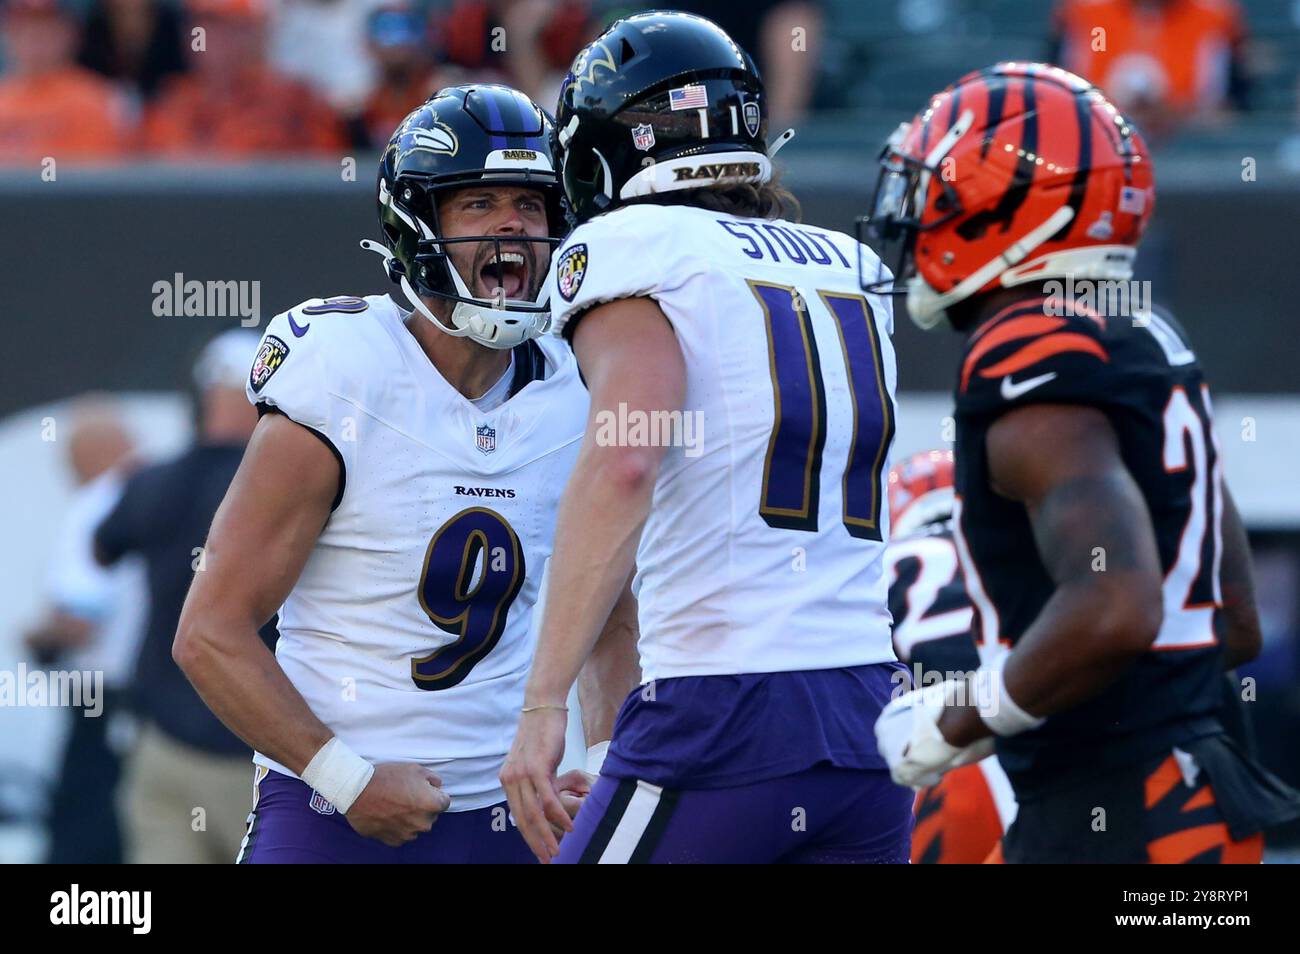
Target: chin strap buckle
779 143
395 269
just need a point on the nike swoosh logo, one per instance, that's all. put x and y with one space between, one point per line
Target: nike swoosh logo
297 329
1011 390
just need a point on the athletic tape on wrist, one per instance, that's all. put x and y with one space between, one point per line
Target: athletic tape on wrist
338 773
999 711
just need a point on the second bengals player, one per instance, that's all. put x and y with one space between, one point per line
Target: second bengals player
960 818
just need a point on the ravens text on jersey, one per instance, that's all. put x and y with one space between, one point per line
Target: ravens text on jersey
420 589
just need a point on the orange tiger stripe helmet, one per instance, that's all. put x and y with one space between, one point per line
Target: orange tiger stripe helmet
920 491
1015 173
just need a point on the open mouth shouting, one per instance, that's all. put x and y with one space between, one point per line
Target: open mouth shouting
505 272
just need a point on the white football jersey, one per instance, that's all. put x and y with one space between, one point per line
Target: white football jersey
762 552
409 631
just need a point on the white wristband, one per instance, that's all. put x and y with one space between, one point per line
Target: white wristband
596 757
338 773
999 711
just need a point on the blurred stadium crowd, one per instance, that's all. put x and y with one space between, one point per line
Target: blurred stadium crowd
115 80
118 79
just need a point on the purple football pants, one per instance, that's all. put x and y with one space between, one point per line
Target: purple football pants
291 824
823 815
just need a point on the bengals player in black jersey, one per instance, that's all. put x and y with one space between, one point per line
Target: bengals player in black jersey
1106 561
960 818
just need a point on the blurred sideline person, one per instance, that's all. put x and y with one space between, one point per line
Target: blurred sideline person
135 43
322 44
50 106
184 760
94 624
397 40
397 504
960 819
232 103
767 28
542 35
686 296
1165 63
1107 562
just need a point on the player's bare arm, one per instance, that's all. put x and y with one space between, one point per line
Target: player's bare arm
1063 463
260 540
610 673
629 355
1238 623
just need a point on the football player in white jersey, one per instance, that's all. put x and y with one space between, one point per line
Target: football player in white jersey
397 505
742 413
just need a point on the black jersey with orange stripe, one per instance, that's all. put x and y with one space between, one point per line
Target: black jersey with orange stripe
1141 373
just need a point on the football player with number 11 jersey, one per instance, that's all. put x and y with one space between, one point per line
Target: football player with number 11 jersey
757 384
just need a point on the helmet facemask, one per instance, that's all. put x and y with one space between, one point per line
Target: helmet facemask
895 220
518 307
902 209
485 137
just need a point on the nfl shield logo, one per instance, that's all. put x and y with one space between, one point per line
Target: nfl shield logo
643 137
485 438
320 804
752 118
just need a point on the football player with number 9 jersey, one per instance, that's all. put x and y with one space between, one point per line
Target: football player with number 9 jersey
396 505
742 414
1107 564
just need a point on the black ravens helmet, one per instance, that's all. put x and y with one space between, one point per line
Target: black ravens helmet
462 136
659 102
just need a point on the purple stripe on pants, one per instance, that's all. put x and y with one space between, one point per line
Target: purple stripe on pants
822 815
291 824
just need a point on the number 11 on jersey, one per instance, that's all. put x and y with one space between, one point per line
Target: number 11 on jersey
792 470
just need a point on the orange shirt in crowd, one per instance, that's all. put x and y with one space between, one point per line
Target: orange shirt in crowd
1177 54
70 113
387 106
260 112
